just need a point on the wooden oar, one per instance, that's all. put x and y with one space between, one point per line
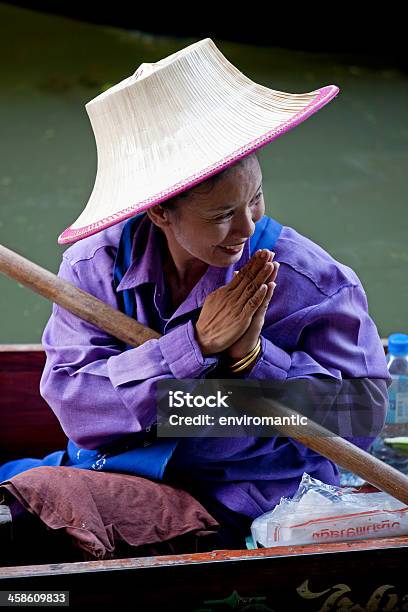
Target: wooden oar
89 308
79 302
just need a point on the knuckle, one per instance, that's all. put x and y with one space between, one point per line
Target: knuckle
250 274
253 301
250 288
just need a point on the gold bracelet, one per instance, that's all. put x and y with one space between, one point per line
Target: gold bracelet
247 357
247 363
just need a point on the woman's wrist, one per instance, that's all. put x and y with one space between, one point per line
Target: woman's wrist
236 353
202 343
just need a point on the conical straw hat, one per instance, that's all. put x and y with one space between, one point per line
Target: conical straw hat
176 122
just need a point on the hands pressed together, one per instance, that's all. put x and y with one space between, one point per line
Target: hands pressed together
232 316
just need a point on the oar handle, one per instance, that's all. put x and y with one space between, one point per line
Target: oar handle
120 326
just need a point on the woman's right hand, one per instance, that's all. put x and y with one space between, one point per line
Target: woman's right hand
228 311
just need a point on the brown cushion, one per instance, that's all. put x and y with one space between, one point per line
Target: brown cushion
101 511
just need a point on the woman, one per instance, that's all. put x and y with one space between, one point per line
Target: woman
311 319
186 266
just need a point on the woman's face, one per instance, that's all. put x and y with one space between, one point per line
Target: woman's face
212 225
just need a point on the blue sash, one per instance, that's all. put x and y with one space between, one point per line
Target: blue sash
143 454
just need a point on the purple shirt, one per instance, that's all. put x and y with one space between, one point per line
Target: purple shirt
317 323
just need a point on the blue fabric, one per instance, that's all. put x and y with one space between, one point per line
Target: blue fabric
125 298
266 235
12 468
150 457
148 461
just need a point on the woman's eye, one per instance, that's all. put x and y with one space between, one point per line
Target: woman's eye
229 214
226 216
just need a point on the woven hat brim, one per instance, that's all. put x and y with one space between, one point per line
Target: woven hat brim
73 234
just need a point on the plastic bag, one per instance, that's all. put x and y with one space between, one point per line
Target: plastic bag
324 513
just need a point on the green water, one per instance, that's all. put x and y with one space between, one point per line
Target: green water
340 178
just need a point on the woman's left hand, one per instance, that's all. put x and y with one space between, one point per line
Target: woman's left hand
248 340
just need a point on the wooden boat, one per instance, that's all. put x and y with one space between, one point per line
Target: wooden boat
363 575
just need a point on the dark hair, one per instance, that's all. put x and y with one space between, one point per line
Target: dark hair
210 182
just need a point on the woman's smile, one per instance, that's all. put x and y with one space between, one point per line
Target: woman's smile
232 249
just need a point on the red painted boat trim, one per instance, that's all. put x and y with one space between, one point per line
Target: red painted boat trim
216 556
